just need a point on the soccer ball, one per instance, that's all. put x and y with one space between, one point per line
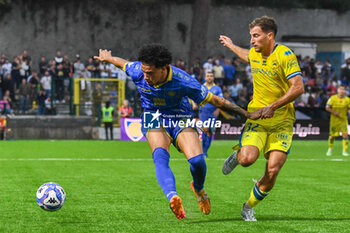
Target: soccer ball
50 196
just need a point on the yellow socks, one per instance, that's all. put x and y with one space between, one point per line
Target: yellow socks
345 144
330 142
256 195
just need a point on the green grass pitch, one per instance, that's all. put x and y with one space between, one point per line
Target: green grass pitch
111 187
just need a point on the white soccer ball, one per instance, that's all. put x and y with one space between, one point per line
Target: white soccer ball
50 196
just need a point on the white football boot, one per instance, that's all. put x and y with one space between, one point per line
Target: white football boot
230 163
329 152
248 213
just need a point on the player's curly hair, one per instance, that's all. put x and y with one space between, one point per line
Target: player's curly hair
155 54
266 23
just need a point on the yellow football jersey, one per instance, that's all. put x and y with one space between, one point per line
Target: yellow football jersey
270 81
341 106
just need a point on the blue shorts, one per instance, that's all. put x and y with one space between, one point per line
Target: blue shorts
171 130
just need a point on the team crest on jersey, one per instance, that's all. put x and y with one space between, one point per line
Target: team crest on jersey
133 129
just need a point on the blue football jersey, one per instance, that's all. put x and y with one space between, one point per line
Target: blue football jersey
209 109
170 97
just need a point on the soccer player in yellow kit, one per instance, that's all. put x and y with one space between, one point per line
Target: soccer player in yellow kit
338 105
277 83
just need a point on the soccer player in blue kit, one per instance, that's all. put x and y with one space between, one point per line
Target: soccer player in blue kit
164 91
209 111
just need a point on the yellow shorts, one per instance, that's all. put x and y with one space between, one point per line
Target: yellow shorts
334 129
268 137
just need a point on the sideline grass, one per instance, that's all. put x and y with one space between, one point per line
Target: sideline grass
121 194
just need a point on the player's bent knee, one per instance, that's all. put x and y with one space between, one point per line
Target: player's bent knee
160 155
197 161
246 161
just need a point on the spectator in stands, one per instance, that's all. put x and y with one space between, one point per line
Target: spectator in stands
327 70
24 70
8 85
242 101
59 83
181 65
235 88
331 88
5 103
125 110
48 107
104 70
34 82
78 67
318 66
67 67
41 97
97 100
207 67
219 73
43 66
16 77
240 68
46 82
23 92
230 72
195 70
26 57
90 67
58 58
6 68
113 97
113 71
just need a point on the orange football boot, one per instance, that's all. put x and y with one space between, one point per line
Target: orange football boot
203 200
177 208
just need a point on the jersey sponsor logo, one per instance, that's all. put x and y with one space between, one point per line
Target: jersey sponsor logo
255 61
159 101
269 73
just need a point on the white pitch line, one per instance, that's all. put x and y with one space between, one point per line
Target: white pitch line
149 159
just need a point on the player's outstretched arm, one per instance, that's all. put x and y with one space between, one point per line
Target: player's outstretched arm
240 52
106 56
232 108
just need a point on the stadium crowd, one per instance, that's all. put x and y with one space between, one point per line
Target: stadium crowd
25 89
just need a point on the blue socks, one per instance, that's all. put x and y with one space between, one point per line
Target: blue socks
166 177
164 174
198 170
206 141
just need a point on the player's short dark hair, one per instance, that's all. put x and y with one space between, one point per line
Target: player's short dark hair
342 85
155 54
266 23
